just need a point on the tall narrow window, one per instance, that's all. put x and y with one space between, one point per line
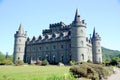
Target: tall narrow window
18 58
39 57
46 48
40 48
69 45
81 31
62 46
19 40
82 56
81 43
54 47
98 50
19 49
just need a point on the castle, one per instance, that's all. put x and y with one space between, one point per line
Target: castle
59 43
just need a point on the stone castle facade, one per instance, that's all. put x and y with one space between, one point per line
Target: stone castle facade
59 43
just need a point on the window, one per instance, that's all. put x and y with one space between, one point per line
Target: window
62 46
98 43
40 48
39 57
46 48
19 49
82 56
69 45
81 43
54 47
18 58
19 40
61 38
98 50
81 31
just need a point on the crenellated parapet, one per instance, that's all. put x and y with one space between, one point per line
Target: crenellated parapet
55 25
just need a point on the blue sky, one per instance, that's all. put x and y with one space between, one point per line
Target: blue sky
36 15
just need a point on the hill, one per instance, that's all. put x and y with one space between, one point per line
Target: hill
108 53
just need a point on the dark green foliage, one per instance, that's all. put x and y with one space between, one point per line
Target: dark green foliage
19 62
2 57
45 62
115 61
109 54
5 60
91 71
72 62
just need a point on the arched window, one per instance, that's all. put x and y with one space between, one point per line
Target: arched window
19 48
19 40
98 50
18 58
40 58
81 43
61 46
81 31
82 56
98 43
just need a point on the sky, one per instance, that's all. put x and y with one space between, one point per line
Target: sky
36 15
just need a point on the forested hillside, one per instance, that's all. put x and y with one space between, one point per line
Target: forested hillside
108 54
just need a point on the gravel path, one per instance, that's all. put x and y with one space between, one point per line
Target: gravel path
115 76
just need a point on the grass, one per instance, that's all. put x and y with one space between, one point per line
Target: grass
31 72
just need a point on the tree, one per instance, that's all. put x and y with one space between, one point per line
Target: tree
115 61
2 57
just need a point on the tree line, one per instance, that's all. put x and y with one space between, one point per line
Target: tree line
5 59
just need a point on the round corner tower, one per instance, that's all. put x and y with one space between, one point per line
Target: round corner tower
78 39
19 44
96 48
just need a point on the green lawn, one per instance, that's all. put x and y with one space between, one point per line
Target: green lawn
31 72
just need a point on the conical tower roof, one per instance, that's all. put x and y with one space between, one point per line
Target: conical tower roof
77 16
94 33
20 30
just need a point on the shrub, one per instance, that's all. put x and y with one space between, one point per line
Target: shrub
91 71
45 62
99 69
89 61
2 63
72 63
7 62
60 64
19 62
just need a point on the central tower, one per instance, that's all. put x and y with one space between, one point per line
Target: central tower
78 39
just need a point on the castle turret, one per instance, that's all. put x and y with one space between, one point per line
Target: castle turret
19 44
96 48
78 39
